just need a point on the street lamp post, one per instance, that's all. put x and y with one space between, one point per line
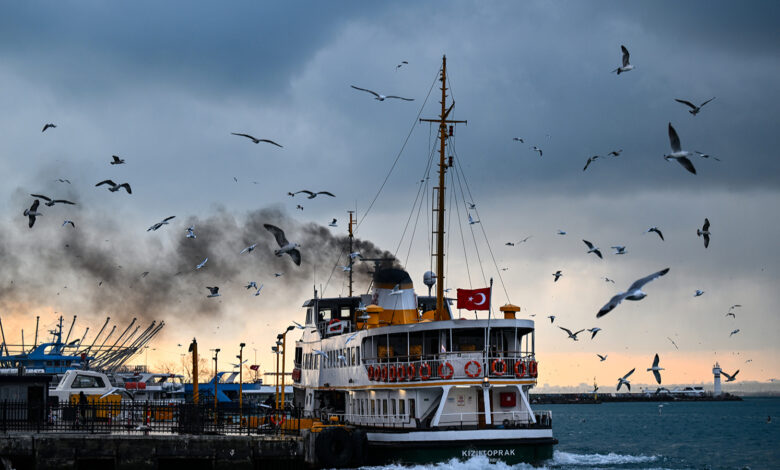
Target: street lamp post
216 382
284 351
241 379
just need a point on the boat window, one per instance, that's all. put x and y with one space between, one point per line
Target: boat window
398 345
383 352
412 413
352 360
309 319
392 408
415 345
88 381
401 407
468 339
384 407
357 354
346 313
373 407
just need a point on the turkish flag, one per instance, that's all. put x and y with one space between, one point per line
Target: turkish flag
254 367
474 299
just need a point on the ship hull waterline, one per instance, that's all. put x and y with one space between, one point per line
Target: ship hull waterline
414 448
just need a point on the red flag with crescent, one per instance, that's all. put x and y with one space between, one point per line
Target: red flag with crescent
474 299
254 367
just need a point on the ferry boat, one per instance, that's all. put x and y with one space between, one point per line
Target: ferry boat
419 383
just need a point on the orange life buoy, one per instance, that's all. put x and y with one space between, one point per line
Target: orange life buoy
520 369
391 373
427 371
470 374
277 422
412 372
401 372
448 375
384 374
533 369
370 373
494 370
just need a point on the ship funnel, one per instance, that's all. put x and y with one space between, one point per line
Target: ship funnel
394 293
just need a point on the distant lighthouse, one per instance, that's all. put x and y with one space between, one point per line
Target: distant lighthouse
716 373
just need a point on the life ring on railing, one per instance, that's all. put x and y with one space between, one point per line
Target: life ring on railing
475 374
425 371
520 369
494 370
370 371
391 373
412 372
401 372
279 421
383 374
533 369
448 375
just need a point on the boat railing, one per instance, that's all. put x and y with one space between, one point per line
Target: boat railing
466 420
454 365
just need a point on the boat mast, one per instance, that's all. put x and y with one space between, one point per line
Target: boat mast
441 311
351 260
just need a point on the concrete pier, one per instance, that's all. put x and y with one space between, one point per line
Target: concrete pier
192 452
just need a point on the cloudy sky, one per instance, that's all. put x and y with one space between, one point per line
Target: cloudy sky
164 85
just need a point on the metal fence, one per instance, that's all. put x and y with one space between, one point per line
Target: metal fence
146 418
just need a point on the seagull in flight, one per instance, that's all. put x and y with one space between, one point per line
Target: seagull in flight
518 139
537 149
732 315
46 126
573 336
251 285
299 207
113 187
602 358
698 293
593 331
615 153
258 290
350 338
551 317
380 97
63 180
593 249
623 380
332 223
734 332
312 194
557 275
214 291
606 279
346 268
256 140
619 250
69 222
396 290
471 205
561 232
50 202
191 232
403 62
694 109
626 67
675 344
656 370
159 224
704 231
634 292
278 274
730 378
202 263
248 249
355 254
472 221
677 153
590 160
656 230
284 245
32 212
115 160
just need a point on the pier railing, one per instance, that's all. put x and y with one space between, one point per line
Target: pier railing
145 418
466 420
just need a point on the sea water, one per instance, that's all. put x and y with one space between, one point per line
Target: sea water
683 435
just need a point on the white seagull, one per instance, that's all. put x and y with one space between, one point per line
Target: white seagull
69 222
602 358
380 97
698 293
258 290
472 221
734 332
704 231
32 212
159 224
251 285
634 292
590 160
561 232
623 380
615 153
191 232
656 230
278 274
677 153
355 254
656 370
557 274
537 149
332 223
284 245
313 194
248 249
606 279
619 250
518 139
50 202
626 67
730 378
573 336
115 160
113 187
202 263
256 140
346 268
551 317
593 249
593 331
214 291
694 109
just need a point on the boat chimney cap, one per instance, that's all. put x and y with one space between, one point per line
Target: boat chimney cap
510 308
373 308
